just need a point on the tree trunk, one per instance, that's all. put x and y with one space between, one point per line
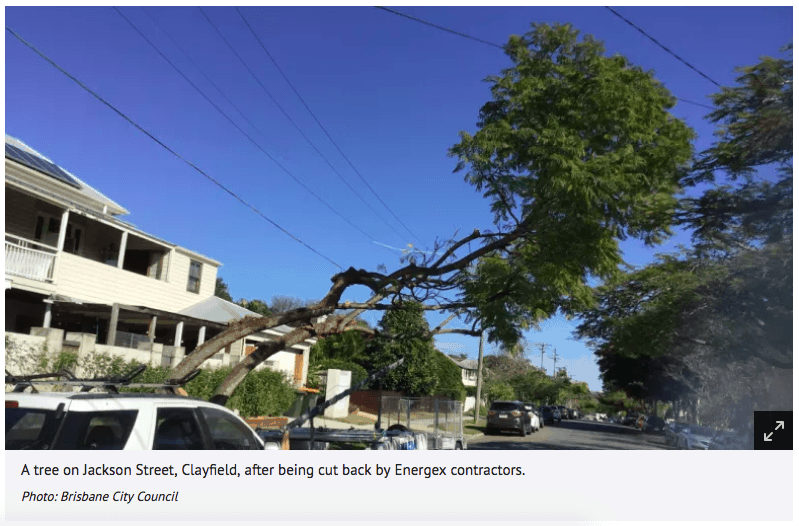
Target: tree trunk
264 351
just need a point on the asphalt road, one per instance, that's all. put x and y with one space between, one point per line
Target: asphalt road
573 434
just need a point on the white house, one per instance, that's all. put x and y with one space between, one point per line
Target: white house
74 268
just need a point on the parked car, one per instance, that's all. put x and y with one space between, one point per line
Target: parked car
695 437
508 416
730 440
535 423
131 421
654 424
630 419
111 420
671 431
564 412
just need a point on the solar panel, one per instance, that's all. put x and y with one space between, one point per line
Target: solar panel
37 163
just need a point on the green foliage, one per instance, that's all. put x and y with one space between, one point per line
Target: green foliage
349 346
263 392
499 390
221 290
579 147
345 351
755 129
755 120
257 306
616 401
400 329
534 386
717 318
450 378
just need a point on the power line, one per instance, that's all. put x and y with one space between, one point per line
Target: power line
442 28
325 130
167 148
353 225
493 44
185 54
292 121
670 52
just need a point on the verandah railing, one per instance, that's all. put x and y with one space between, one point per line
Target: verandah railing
29 259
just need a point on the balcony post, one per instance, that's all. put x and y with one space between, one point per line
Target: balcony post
178 334
201 336
122 246
151 330
62 231
48 314
112 325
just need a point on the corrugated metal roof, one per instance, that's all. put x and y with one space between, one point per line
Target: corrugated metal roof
90 192
85 189
222 311
464 364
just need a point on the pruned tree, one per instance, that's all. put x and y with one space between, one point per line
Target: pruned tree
574 152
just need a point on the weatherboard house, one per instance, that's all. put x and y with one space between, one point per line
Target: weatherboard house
79 278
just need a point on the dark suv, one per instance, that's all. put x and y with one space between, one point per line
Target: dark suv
508 416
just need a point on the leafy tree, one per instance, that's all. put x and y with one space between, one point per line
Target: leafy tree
450 378
714 322
755 120
499 390
574 152
348 346
257 306
534 386
504 367
221 290
346 351
563 146
417 375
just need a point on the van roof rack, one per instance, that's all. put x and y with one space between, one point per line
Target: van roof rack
110 383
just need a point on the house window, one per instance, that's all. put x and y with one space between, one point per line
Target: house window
195 271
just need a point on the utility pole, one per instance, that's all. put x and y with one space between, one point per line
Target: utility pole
555 364
479 378
543 347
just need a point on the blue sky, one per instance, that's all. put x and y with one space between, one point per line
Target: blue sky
391 92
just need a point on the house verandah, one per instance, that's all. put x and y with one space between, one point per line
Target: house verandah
147 335
78 278
51 246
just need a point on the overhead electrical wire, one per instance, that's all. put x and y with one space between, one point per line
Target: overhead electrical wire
670 52
244 63
218 89
492 44
298 181
167 148
323 128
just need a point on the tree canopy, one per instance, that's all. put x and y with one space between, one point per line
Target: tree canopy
714 321
575 151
